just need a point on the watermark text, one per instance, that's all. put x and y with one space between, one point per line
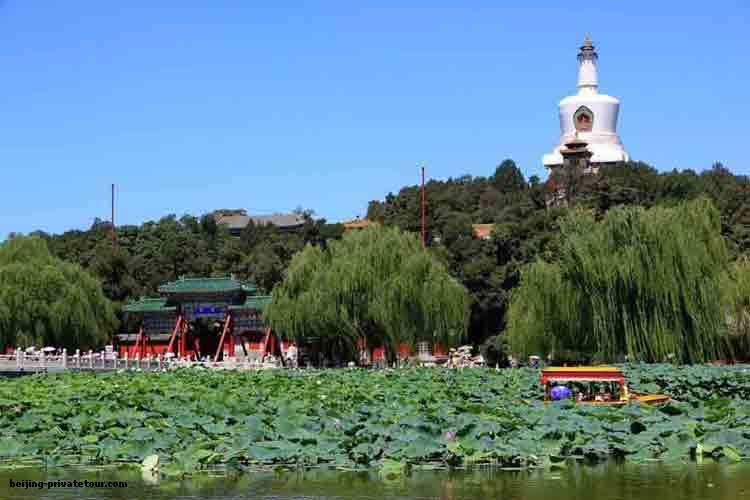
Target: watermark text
49 485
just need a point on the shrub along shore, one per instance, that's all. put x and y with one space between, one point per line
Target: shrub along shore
195 419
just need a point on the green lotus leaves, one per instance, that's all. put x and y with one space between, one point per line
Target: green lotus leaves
391 421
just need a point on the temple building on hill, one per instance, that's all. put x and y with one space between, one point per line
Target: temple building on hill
237 220
589 117
357 224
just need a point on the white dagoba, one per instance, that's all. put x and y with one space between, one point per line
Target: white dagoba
589 116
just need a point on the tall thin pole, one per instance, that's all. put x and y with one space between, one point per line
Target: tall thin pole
114 228
424 214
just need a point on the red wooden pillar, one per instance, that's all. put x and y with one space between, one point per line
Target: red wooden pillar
138 339
183 340
172 339
231 339
265 343
147 344
196 346
142 351
227 326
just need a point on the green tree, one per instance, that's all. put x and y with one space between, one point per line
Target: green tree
263 266
112 267
377 284
526 229
642 283
736 294
45 301
508 177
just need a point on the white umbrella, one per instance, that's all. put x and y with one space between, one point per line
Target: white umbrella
49 349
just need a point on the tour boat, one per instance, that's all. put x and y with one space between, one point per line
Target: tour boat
581 383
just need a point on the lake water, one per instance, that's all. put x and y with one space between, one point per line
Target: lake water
605 482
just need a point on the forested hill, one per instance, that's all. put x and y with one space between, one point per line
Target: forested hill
525 229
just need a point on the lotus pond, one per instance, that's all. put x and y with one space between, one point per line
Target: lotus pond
392 424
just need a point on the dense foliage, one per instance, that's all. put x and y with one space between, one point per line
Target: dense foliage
359 419
527 230
155 252
641 283
45 301
736 296
377 284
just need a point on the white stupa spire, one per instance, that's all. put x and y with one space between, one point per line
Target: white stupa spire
588 82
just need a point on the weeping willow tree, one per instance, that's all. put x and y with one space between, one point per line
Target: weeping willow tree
642 283
736 295
45 301
377 284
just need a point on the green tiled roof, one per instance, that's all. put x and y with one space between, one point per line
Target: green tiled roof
148 305
206 285
257 302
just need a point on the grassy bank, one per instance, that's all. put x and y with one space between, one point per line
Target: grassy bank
355 418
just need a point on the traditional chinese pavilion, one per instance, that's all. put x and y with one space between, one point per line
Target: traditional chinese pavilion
200 318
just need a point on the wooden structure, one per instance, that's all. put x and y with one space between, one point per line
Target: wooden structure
201 319
423 352
357 224
610 380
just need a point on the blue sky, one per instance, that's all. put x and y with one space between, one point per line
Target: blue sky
189 106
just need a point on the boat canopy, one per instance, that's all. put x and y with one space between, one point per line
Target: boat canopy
582 374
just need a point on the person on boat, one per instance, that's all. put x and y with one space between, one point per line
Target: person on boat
580 396
599 398
560 392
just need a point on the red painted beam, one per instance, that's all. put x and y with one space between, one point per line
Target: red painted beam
174 334
227 324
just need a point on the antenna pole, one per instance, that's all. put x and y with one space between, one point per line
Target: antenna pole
114 228
424 214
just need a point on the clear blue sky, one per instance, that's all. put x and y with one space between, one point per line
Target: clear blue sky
189 106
